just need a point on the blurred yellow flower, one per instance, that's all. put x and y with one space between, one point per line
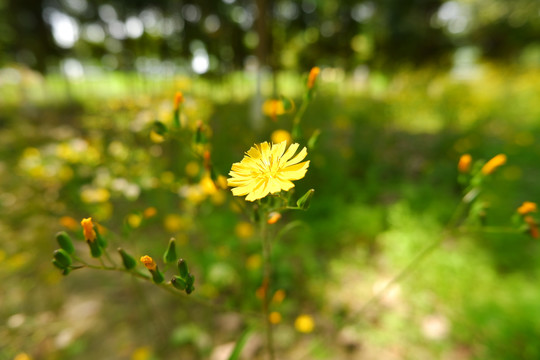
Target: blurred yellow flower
267 169
149 212
244 230
527 207
279 296
88 229
192 169
280 136
22 356
141 353
254 262
313 74
273 108
493 164
92 195
304 324
148 262
174 222
134 220
156 138
69 222
464 164
274 317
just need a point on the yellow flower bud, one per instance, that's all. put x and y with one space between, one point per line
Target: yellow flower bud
178 100
464 164
527 207
493 164
315 71
88 229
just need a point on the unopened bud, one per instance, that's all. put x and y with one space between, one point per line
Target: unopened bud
178 282
128 260
170 254
183 269
65 242
62 258
304 202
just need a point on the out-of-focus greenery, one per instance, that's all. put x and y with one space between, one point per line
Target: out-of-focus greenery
384 170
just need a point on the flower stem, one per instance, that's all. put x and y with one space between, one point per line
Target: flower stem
267 272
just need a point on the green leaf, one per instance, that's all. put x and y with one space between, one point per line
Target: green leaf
235 355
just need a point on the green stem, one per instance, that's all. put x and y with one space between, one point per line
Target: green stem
267 272
298 118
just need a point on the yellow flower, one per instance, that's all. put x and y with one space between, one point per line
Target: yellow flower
273 108
464 164
313 76
148 262
281 135
267 169
69 222
88 229
493 164
527 207
274 317
304 324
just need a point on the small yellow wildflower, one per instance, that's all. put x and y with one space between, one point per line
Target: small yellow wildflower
88 229
273 108
267 169
254 262
148 262
274 317
22 356
313 74
527 207
273 217
493 164
304 324
178 100
464 164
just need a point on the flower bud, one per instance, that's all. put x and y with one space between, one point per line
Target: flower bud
100 239
464 164
170 254
178 282
128 260
65 242
313 74
62 258
189 284
304 202
493 164
183 269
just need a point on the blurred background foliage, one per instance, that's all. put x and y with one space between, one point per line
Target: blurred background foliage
406 87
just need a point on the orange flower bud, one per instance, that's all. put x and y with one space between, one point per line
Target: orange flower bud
527 207
315 71
88 229
178 99
493 164
148 262
464 164
273 217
